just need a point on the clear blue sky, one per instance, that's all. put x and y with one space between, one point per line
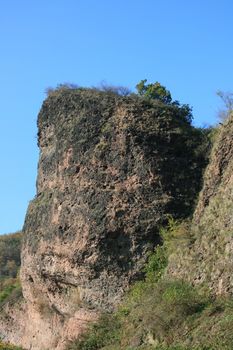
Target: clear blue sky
186 45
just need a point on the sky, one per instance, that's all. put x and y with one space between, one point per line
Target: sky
185 45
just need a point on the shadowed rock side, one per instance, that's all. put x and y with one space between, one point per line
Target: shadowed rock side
209 259
111 169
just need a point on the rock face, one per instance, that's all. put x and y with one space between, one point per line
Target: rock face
111 169
209 260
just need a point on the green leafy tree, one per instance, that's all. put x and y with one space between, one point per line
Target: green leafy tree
155 91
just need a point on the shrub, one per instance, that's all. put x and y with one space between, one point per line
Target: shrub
155 91
158 92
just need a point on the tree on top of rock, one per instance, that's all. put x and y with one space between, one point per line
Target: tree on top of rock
155 91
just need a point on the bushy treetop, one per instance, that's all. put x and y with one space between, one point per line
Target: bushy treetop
156 91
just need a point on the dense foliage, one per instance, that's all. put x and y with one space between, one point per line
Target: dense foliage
156 91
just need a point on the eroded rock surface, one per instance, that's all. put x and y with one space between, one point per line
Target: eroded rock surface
111 169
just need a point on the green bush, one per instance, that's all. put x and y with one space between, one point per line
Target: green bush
154 91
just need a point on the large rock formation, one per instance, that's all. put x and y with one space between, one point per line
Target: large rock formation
111 169
208 261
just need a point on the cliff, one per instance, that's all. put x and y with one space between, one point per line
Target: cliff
111 170
207 261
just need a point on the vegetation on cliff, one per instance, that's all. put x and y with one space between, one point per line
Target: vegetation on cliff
161 313
148 91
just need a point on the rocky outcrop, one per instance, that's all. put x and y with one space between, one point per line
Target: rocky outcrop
208 260
111 170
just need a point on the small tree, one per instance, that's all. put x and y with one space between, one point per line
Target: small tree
155 91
